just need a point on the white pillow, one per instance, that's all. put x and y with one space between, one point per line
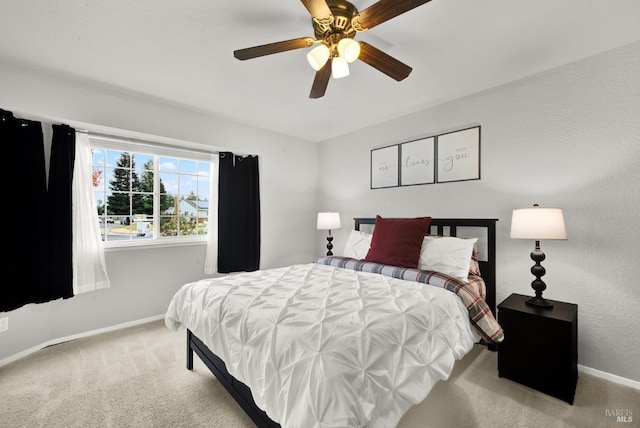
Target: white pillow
448 255
357 245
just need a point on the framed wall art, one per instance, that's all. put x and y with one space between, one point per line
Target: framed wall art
458 155
384 167
417 162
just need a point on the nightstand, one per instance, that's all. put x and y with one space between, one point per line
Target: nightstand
540 346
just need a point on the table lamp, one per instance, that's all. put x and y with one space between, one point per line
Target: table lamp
538 223
329 221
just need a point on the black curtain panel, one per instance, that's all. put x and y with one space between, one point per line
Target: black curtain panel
37 265
25 264
59 220
238 213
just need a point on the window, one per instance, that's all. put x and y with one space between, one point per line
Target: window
145 193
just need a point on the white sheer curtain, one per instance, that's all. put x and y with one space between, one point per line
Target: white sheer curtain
211 256
89 267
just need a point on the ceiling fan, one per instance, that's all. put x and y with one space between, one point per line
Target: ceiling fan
335 24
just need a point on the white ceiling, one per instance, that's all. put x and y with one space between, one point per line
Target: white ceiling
181 51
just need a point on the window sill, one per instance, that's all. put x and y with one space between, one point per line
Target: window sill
145 245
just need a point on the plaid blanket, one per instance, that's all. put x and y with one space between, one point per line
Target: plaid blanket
472 293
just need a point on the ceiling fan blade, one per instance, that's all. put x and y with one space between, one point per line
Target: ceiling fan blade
272 48
382 11
318 9
383 62
321 81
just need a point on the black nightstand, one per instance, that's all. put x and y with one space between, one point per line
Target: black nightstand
540 346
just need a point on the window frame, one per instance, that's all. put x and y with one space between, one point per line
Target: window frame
156 149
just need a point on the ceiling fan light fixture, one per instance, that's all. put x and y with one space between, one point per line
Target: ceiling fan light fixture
349 49
318 56
339 67
337 22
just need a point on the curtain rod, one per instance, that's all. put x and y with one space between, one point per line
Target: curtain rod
106 136
152 143
82 127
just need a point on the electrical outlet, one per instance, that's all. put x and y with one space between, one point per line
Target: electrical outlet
4 323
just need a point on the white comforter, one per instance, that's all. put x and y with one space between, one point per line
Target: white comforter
322 346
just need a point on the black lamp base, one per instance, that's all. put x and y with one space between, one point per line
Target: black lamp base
539 302
329 244
538 284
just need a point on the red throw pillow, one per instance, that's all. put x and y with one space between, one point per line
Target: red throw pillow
397 242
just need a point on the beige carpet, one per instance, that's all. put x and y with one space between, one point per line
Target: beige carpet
136 377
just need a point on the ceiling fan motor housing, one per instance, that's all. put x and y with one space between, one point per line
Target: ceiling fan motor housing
331 31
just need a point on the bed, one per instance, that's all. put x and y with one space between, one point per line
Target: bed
340 341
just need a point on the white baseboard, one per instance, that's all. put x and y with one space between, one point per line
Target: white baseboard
597 373
77 336
610 377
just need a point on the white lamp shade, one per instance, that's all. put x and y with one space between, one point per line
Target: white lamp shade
328 221
538 223
339 67
318 56
349 49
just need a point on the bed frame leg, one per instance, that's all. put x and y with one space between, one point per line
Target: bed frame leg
189 351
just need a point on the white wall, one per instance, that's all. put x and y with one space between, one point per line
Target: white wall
143 281
568 137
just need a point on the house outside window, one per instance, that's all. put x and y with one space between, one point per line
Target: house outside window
146 194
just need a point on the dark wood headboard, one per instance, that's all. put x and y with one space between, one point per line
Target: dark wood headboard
449 227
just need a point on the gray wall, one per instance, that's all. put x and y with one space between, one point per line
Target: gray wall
288 206
569 138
